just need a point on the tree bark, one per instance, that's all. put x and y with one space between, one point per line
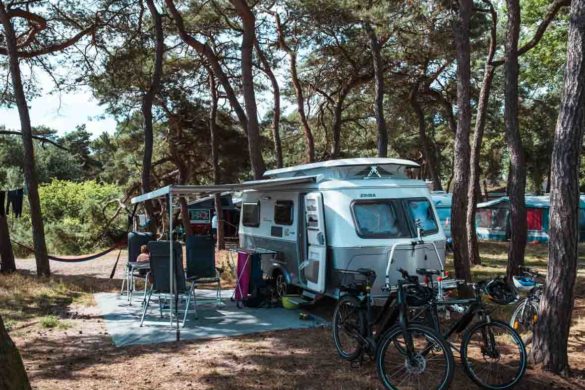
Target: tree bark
13 374
517 178
429 156
7 264
215 161
276 95
147 102
480 119
462 149
38 229
382 142
556 306
292 55
248 39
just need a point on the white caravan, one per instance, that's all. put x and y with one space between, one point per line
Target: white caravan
328 217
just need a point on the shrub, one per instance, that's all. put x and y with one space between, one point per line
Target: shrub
75 216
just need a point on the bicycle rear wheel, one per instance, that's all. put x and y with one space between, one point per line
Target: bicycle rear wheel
493 355
430 366
524 319
349 327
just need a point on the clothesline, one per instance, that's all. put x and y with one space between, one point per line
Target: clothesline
12 198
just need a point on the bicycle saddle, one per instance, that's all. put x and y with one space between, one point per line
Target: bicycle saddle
427 272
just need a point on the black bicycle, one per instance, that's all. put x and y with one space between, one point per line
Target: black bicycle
407 355
492 353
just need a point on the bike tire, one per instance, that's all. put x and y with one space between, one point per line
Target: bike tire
429 342
524 318
349 317
504 366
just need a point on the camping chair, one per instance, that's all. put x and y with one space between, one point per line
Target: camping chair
132 268
201 267
160 269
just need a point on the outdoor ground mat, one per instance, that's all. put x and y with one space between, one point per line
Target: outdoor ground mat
123 320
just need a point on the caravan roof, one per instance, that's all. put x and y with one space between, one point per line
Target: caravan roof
531 201
346 168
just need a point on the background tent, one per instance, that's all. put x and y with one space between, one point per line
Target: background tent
493 219
202 210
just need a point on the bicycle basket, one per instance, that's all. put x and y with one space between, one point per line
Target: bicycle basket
524 283
500 292
417 295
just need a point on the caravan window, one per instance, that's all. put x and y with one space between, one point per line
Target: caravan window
378 219
283 212
421 210
251 214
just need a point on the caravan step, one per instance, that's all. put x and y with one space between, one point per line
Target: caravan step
309 295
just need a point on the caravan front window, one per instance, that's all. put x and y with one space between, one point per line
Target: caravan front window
251 214
378 219
421 210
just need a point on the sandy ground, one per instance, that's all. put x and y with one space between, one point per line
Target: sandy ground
81 355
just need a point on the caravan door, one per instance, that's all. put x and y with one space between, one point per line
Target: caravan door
313 267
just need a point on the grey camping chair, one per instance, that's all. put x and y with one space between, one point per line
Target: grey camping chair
134 270
201 267
160 269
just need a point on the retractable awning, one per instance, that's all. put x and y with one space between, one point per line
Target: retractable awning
203 190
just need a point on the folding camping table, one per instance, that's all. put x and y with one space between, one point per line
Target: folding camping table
239 290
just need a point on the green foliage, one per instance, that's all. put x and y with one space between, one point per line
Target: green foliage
76 216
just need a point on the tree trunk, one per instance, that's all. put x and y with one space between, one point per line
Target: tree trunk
215 161
276 95
429 155
336 128
248 38
38 229
309 140
517 178
462 149
382 142
147 102
474 182
7 264
556 306
13 374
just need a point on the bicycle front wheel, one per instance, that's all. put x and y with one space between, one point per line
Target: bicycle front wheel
524 319
493 355
349 327
428 366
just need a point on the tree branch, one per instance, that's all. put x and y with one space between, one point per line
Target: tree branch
548 18
37 137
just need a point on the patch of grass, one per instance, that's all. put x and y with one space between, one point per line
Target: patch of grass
53 322
25 298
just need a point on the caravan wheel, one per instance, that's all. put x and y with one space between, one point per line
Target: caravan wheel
281 286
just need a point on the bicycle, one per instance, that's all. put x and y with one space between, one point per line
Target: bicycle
492 353
406 354
525 315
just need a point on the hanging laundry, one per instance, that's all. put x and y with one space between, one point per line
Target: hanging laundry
15 198
2 202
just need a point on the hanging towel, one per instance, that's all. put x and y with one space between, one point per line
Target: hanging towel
2 202
15 198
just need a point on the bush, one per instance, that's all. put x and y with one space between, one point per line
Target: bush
75 217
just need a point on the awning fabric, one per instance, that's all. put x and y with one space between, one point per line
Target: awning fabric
203 190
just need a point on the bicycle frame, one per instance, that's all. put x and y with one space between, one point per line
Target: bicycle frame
475 307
